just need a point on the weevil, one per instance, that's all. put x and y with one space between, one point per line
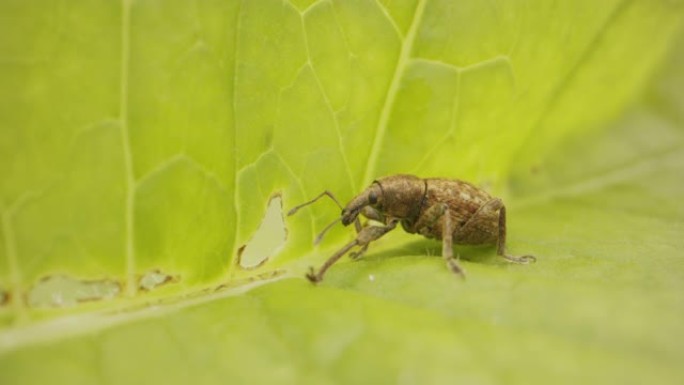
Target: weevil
449 210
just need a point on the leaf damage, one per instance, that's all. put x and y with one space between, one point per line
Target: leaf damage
153 279
268 239
57 291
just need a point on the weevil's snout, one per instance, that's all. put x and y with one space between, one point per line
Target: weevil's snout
349 216
370 197
350 213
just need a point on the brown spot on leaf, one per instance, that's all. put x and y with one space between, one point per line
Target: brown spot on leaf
155 278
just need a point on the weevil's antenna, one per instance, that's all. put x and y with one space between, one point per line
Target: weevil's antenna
319 237
357 223
324 193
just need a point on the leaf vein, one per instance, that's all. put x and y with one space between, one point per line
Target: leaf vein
404 56
236 202
562 86
328 104
126 143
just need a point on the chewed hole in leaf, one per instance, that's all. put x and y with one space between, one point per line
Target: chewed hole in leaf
268 239
155 278
64 291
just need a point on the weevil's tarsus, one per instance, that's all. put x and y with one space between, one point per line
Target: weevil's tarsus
312 276
455 267
523 259
316 277
501 242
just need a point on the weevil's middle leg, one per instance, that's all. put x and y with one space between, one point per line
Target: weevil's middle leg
425 225
448 246
367 235
501 242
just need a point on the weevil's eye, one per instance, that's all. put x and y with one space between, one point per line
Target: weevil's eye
372 198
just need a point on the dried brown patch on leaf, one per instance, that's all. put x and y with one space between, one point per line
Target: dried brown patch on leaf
154 279
65 291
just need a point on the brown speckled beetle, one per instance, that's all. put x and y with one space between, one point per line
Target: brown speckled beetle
431 207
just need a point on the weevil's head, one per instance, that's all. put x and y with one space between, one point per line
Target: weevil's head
397 196
372 196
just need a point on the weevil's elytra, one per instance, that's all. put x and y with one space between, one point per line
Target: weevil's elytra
449 210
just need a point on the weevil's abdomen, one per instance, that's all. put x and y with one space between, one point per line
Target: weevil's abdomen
465 202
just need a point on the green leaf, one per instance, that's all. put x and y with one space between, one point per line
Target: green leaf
143 141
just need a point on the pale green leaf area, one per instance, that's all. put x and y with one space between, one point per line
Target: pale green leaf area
150 149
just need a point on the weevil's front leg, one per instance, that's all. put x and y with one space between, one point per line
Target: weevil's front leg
367 235
501 242
374 215
425 226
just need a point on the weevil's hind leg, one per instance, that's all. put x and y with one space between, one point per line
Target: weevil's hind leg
501 242
448 246
367 235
